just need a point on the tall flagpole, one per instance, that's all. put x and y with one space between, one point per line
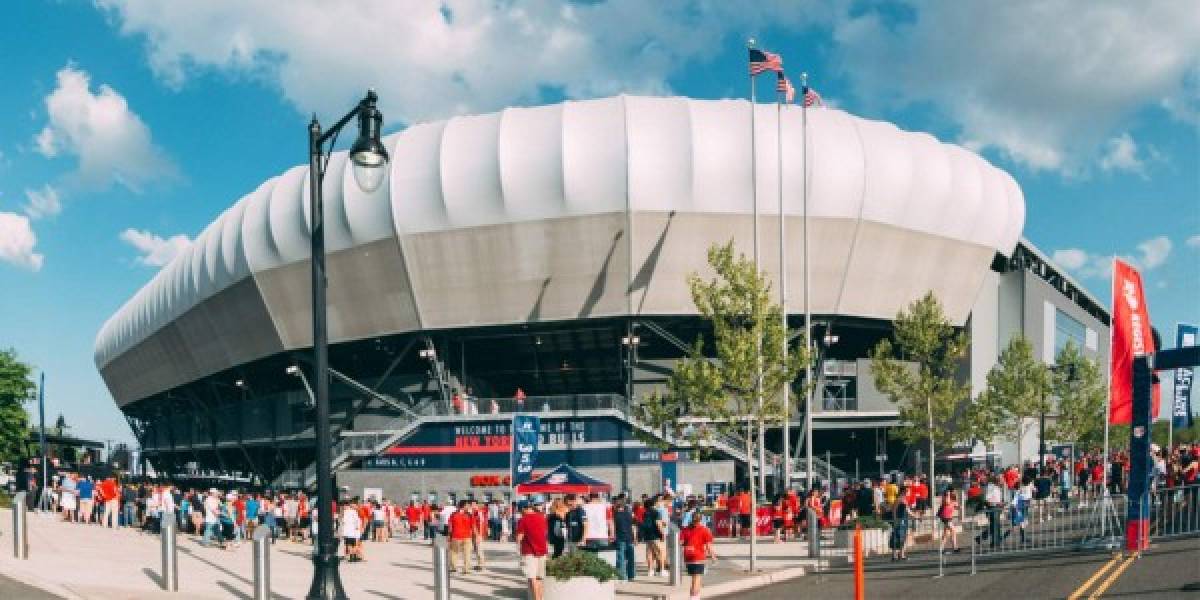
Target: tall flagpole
787 396
758 348
808 375
1104 501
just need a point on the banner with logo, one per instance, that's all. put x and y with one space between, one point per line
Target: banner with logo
1181 408
525 437
1131 336
669 471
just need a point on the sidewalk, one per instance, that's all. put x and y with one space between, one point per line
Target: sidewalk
86 561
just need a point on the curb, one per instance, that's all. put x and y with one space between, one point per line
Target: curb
752 582
34 582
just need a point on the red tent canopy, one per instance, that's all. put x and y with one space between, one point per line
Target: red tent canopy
563 479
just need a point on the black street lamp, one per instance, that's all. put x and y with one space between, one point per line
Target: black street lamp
370 160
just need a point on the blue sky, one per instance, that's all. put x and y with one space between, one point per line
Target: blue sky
126 126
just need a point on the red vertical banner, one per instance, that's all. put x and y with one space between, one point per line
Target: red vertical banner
1131 336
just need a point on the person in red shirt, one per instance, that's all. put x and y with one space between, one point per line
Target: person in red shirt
531 534
744 521
111 495
697 547
462 527
414 515
479 514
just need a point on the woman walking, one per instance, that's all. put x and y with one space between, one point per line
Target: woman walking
946 515
900 514
697 547
556 525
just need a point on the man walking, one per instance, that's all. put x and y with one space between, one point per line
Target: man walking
462 529
531 532
623 535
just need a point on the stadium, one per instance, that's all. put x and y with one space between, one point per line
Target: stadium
535 259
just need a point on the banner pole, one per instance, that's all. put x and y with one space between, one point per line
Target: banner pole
1104 500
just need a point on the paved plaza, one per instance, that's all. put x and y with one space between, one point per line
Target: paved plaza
76 561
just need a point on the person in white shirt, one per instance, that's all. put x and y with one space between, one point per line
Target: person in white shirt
444 517
212 522
351 532
597 523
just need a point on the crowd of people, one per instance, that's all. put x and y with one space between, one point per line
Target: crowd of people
548 528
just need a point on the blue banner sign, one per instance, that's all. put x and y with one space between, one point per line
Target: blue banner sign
485 444
1181 408
525 438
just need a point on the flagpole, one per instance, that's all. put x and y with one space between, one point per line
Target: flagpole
787 400
758 347
1104 500
808 375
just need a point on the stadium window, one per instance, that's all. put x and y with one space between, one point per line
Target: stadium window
1067 328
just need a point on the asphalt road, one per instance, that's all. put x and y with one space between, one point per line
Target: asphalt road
1161 572
18 591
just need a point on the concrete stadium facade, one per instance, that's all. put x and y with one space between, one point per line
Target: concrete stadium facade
560 217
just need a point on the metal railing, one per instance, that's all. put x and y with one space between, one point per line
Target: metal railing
1175 512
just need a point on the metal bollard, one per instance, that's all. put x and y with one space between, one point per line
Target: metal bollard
441 569
262 564
170 553
20 527
674 555
814 538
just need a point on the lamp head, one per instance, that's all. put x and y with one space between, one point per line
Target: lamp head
369 156
293 370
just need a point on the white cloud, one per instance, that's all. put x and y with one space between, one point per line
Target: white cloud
42 203
156 251
1121 154
430 58
1194 241
110 140
1045 83
17 242
1149 255
1154 251
1070 258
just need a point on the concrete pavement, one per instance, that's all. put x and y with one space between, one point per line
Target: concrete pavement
87 561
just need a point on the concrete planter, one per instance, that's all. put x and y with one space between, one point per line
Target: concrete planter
875 541
580 588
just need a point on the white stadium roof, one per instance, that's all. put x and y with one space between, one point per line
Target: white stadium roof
622 155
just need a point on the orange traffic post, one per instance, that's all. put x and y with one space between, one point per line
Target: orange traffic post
859 589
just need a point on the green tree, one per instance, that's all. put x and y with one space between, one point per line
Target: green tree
918 372
1017 390
16 388
737 385
1078 385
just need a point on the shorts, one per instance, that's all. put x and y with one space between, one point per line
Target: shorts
350 542
695 568
380 524
744 521
534 567
777 523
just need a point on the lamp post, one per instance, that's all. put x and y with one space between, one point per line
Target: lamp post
1070 368
370 159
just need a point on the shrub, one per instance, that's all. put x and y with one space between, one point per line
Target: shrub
867 522
580 564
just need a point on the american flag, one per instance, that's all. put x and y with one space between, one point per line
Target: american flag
761 61
812 98
784 86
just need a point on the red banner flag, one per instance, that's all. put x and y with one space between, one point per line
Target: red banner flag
1131 336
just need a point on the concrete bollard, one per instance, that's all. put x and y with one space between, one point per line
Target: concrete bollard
674 555
170 553
20 527
262 564
441 569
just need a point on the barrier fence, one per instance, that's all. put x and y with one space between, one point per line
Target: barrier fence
1086 521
